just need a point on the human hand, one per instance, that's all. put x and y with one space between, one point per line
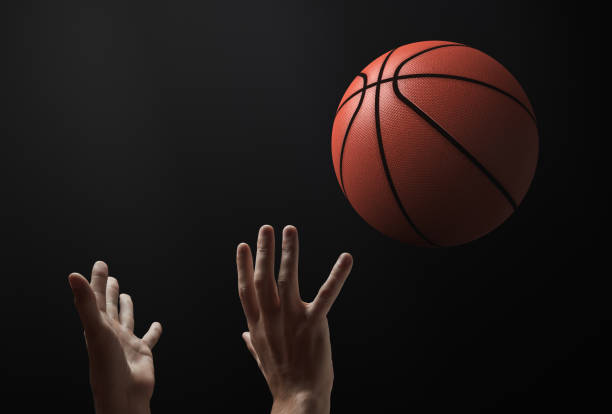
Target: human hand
288 338
120 364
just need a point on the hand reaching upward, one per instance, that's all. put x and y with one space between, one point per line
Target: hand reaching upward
120 364
288 337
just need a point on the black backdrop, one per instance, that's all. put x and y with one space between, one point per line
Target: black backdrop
158 135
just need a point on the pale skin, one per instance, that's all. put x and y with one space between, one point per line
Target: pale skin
288 338
120 363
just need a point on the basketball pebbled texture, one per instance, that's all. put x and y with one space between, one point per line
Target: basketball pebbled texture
435 143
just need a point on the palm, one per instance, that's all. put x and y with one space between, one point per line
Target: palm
121 364
288 338
130 360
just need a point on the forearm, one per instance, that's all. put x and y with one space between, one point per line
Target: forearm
132 407
302 403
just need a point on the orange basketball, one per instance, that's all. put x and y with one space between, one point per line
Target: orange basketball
435 143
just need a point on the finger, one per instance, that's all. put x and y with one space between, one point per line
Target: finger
288 288
265 285
126 311
85 303
99 275
152 335
112 298
331 288
246 336
246 288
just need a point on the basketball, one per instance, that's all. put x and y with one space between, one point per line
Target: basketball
434 144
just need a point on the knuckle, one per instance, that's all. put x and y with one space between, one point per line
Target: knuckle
325 294
259 283
242 291
283 279
262 251
282 283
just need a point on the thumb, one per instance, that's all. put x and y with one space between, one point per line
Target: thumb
85 303
246 336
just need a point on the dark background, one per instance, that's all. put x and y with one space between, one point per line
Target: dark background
158 135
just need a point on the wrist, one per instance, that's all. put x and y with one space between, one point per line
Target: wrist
302 402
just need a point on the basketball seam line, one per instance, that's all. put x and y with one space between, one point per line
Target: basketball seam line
390 79
425 117
475 81
348 128
444 76
449 137
363 90
382 151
